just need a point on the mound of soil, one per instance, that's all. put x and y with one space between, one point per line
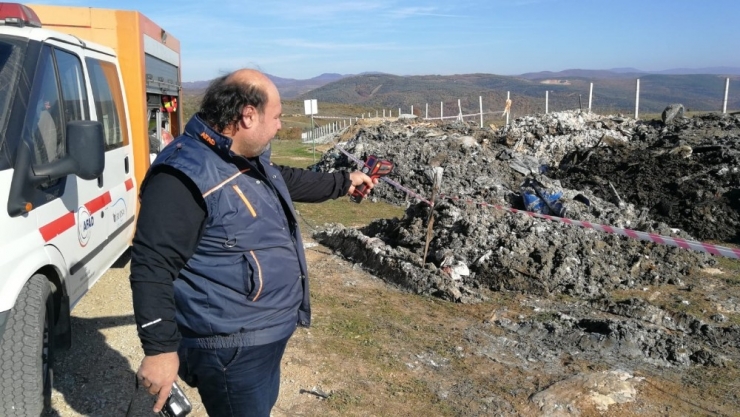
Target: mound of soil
687 174
679 180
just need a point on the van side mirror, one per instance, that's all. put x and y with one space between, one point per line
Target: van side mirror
86 145
85 154
85 158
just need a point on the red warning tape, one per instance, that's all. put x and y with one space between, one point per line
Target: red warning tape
709 248
632 234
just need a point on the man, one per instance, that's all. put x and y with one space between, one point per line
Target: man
218 271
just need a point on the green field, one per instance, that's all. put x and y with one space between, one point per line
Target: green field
294 153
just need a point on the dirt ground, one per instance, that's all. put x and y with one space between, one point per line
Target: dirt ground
510 315
96 377
375 350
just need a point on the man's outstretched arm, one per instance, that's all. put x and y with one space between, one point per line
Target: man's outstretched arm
307 186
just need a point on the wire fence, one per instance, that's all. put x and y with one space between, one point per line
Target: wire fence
467 114
323 133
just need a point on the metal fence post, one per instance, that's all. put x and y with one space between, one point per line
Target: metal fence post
637 99
590 96
508 100
480 103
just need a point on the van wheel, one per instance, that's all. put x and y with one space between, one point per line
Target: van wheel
26 351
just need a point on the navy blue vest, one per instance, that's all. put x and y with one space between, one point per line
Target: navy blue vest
247 282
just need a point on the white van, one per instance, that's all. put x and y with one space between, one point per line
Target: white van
66 180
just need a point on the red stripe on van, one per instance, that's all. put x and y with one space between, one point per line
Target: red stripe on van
57 227
97 204
129 184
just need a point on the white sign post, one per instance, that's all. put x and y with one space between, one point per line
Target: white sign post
311 107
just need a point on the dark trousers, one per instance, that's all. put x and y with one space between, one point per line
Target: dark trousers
242 381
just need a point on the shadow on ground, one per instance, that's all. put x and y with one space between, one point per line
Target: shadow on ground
93 378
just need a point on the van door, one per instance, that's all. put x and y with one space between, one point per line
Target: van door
109 103
69 216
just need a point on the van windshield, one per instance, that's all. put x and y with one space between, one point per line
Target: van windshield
11 57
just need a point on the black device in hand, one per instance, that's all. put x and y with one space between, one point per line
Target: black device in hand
177 404
374 168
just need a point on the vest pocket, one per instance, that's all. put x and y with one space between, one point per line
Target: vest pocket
253 277
245 200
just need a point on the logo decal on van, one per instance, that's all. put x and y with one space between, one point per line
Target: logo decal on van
119 213
85 222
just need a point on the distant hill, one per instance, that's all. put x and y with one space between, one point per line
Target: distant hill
393 91
613 94
614 90
289 88
194 87
708 70
628 72
580 73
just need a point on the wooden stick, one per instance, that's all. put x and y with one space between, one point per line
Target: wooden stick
430 221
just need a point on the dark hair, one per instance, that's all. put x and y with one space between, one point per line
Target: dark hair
224 100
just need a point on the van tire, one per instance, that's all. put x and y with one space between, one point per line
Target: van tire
26 351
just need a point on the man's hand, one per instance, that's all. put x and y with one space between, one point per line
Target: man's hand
157 373
359 177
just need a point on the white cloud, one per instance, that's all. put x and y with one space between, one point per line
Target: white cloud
301 43
302 10
410 12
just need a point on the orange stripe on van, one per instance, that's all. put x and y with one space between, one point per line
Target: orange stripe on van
57 227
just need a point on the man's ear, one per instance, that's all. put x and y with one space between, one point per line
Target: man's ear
249 116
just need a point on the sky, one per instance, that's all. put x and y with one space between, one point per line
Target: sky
303 39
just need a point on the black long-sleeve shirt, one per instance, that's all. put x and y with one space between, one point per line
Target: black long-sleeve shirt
172 215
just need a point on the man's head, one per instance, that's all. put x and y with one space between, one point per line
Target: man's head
244 106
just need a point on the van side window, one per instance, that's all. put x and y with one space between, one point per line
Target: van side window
11 57
43 126
108 98
74 91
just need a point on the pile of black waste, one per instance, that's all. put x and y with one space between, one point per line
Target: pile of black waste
676 179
